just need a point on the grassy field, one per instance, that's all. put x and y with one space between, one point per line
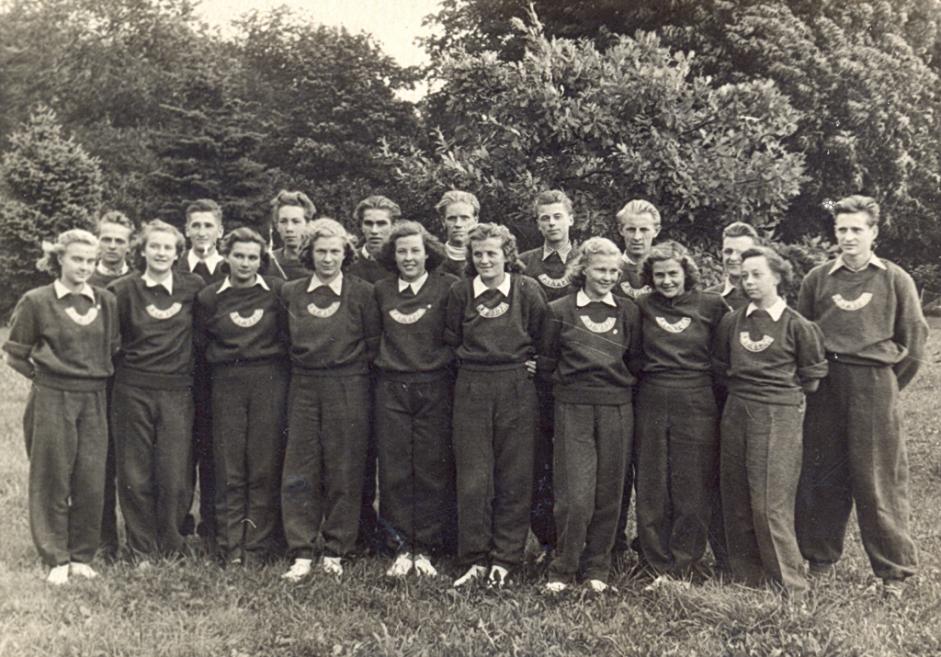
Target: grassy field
195 608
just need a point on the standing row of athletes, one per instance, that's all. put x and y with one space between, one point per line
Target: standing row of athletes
537 399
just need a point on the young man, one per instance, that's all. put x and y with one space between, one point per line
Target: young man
638 225
203 231
459 212
375 215
290 214
547 264
736 237
874 333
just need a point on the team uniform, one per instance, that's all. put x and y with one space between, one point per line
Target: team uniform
875 334
69 339
413 412
676 439
733 295
243 332
586 347
765 355
287 267
494 332
334 331
152 408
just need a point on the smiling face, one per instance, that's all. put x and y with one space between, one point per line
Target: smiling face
855 236
758 281
601 275
328 257
669 278
160 252
291 225
732 248
244 260
638 232
459 219
489 260
203 229
410 257
376 225
114 240
78 263
554 222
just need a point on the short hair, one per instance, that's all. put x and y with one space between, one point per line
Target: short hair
148 229
52 251
857 203
245 234
377 202
485 231
433 247
204 205
777 263
671 250
114 217
327 227
594 246
740 229
552 196
638 206
295 199
457 196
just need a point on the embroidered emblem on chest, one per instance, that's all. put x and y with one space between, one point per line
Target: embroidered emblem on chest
635 292
329 311
409 318
82 319
554 283
678 327
246 322
491 313
859 302
598 327
755 345
167 313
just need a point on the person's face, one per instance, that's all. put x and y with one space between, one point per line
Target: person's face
328 257
78 263
291 225
410 257
601 274
203 229
669 279
376 225
732 248
758 281
244 260
113 243
854 234
160 252
638 231
489 259
554 222
459 219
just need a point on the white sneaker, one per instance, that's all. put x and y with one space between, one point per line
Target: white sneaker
332 566
423 567
58 575
299 570
82 570
556 586
402 565
597 585
143 565
498 577
473 573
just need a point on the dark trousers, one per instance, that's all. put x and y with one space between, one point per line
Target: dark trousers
854 451
622 541
203 455
541 516
109 544
760 468
717 540
153 444
413 431
494 430
66 436
248 404
321 486
677 447
371 534
592 444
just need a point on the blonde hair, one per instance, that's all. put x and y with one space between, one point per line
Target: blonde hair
638 206
151 227
327 227
594 246
52 251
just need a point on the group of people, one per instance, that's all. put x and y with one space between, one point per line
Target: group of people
488 392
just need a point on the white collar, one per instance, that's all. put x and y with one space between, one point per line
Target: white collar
167 283
336 284
776 310
212 260
61 290
582 299
727 288
563 252
364 253
873 260
104 271
480 287
227 284
458 253
628 259
416 285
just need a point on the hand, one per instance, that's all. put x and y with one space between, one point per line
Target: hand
530 367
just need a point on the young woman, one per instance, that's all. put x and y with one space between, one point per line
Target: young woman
241 325
291 212
677 432
334 331
770 356
590 336
152 400
494 321
413 398
62 337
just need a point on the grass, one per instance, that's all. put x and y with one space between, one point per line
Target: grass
196 608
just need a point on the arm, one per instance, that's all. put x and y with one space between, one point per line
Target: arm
536 317
634 356
454 316
372 323
549 349
805 298
911 328
811 355
721 353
